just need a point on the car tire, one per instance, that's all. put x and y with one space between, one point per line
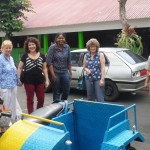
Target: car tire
129 147
111 91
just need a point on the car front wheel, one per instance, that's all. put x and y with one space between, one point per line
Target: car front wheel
111 91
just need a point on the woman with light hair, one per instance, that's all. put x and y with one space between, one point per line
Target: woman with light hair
9 81
94 66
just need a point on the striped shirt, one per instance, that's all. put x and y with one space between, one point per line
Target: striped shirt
33 69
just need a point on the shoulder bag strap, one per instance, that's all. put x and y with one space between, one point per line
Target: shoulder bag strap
25 62
54 52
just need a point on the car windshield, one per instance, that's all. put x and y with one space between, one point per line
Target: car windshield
131 57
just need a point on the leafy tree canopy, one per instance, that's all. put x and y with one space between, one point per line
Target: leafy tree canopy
12 15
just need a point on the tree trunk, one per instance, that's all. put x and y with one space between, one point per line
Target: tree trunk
122 14
8 35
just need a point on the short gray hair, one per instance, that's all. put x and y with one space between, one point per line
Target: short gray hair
92 42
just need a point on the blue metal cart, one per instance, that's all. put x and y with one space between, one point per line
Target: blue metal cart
88 126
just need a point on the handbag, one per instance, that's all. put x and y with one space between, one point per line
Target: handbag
22 76
81 82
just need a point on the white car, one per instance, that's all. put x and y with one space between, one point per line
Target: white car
124 71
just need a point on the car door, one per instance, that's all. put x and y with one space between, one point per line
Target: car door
106 63
77 66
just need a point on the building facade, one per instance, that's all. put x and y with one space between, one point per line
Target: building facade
81 20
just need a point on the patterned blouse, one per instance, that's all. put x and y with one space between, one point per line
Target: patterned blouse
94 65
8 73
61 59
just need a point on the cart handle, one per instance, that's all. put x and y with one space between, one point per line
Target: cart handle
42 119
121 112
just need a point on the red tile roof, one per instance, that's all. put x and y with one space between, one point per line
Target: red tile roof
51 13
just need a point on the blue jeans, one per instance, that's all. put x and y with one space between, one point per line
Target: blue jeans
94 91
61 85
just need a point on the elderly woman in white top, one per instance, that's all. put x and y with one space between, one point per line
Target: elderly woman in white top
9 81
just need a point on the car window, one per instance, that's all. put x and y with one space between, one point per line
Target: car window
75 58
113 59
131 57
